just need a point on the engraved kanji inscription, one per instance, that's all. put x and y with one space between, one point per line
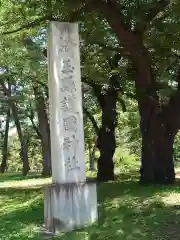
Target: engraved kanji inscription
66 42
66 144
70 151
66 76
68 85
67 104
74 144
70 124
67 66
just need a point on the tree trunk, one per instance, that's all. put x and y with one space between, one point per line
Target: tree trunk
22 139
92 158
44 131
5 144
106 142
157 164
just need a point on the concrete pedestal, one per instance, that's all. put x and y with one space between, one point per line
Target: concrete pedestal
70 206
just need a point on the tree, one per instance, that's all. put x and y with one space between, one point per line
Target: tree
43 130
5 144
36 56
159 122
141 30
22 139
107 97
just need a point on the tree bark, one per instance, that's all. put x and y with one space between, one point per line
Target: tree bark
36 129
91 158
44 130
22 139
5 144
92 119
157 166
106 141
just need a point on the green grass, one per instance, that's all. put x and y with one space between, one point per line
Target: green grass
127 210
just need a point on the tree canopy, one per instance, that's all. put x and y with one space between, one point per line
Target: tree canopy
130 74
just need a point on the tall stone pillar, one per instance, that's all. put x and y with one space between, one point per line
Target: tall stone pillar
70 201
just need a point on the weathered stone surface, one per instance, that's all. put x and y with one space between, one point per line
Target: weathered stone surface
71 201
65 103
70 206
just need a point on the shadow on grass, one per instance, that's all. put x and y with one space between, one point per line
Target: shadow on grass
130 211
5 177
21 213
126 211
154 221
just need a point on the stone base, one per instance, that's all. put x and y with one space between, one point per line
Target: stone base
70 206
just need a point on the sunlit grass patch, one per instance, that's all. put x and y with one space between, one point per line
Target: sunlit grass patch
7 181
126 210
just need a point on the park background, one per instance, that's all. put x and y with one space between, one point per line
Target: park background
130 86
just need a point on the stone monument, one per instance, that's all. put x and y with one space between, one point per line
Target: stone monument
70 201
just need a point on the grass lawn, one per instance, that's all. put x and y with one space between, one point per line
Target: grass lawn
127 210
